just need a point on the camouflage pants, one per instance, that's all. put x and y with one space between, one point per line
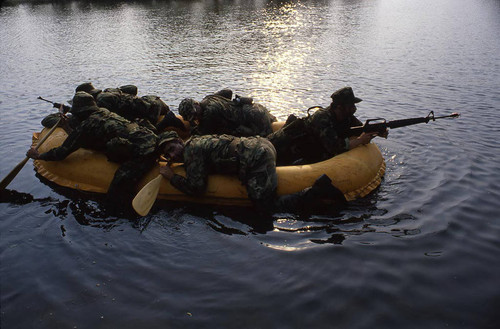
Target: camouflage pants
257 171
123 186
139 160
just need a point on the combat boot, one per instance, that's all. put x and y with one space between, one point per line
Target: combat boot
324 189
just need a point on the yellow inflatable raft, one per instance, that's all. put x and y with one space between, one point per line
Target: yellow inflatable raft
356 173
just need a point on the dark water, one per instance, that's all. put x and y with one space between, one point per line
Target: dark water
423 251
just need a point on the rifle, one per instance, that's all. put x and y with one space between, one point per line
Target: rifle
65 108
380 125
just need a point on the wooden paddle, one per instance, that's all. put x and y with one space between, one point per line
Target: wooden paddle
146 197
10 176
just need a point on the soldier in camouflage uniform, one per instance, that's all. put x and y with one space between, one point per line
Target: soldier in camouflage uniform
218 114
145 110
133 146
252 159
321 135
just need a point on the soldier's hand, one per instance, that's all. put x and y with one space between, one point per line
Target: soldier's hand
64 124
365 138
33 153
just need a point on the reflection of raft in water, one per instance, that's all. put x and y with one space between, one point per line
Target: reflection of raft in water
356 173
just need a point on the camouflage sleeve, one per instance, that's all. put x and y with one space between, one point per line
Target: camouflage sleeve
195 182
256 120
215 119
70 145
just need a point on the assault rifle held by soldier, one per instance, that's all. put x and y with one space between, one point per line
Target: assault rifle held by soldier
380 125
65 108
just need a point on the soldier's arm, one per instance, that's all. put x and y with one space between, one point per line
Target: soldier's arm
328 136
195 182
70 145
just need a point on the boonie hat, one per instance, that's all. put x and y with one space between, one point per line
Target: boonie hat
167 136
344 95
82 100
88 88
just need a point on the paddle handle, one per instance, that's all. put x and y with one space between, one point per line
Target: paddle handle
13 173
48 134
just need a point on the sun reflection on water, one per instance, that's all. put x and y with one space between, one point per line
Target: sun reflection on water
282 64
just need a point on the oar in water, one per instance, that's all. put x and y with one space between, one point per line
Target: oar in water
146 197
10 176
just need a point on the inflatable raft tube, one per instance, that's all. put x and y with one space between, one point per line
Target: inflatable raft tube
356 173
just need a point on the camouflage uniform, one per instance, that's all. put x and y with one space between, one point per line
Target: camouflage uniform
133 146
316 137
311 139
221 115
145 110
50 120
132 107
251 158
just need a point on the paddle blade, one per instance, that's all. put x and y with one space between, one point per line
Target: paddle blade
146 197
10 176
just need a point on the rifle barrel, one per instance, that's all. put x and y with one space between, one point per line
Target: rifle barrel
406 122
46 100
381 126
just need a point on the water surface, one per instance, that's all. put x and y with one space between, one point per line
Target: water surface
421 251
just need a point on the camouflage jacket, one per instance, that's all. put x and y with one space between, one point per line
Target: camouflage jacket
107 132
224 154
224 116
330 133
311 139
132 107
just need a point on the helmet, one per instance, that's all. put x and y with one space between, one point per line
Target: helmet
156 104
167 136
226 92
129 89
187 109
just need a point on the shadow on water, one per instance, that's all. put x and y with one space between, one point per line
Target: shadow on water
328 225
88 209
331 225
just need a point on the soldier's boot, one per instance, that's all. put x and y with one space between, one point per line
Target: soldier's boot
312 197
323 188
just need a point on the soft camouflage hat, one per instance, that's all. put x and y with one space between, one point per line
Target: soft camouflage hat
88 88
187 109
344 96
82 100
167 136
